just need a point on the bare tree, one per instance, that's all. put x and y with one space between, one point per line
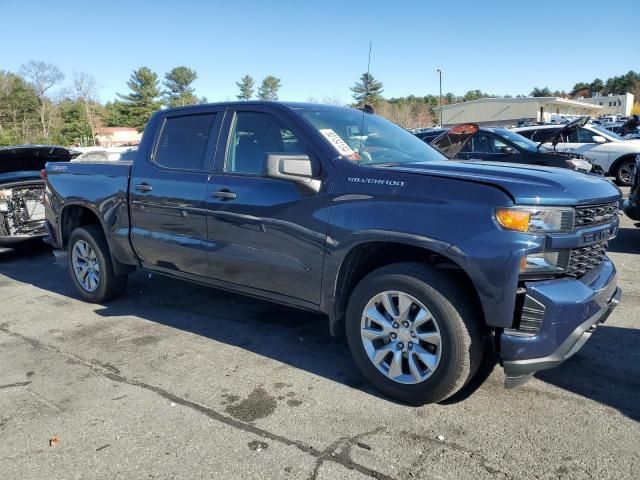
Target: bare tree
43 76
86 90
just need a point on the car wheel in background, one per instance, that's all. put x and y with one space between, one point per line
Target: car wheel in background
624 172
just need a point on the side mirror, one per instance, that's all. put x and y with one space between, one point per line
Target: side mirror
508 150
293 167
599 139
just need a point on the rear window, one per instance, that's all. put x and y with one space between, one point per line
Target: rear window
183 141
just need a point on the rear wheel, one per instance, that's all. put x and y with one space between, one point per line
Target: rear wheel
624 172
413 333
91 267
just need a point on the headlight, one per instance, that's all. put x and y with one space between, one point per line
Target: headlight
579 164
544 262
536 219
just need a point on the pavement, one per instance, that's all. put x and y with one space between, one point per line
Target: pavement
176 380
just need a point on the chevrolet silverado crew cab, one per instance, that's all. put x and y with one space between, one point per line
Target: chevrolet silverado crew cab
426 264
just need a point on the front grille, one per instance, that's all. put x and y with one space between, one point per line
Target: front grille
592 215
584 259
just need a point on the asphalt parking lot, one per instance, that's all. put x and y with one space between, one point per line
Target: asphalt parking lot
179 381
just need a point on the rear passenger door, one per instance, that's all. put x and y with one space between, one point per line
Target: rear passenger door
267 234
168 193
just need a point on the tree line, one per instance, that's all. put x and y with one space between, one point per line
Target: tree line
37 107
616 85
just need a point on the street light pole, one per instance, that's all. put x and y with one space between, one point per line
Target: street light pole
440 101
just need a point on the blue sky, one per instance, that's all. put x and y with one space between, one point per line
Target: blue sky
319 48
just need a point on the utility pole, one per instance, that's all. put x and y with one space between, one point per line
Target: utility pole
440 101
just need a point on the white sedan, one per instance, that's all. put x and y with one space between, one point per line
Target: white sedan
615 155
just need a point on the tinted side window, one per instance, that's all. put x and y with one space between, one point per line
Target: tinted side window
482 144
183 141
585 136
253 136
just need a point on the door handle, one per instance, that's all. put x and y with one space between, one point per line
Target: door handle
224 195
143 187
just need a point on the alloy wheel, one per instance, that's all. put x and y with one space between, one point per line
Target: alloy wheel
401 337
86 267
626 172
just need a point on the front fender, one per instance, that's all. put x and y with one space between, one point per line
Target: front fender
451 218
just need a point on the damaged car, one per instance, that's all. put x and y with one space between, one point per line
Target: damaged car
21 190
496 144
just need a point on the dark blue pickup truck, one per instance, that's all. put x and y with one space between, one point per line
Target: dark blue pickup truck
426 264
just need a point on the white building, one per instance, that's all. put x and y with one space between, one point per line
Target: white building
612 104
507 111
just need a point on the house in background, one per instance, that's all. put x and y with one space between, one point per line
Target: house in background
117 136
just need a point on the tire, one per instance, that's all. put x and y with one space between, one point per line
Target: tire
461 345
108 285
624 172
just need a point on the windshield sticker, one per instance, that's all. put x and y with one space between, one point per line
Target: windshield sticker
340 145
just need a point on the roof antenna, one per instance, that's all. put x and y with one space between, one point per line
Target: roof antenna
365 108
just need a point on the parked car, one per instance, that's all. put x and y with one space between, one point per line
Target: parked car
615 155
631 205
21 191
426 264
502 145
559 119
629 129
107 154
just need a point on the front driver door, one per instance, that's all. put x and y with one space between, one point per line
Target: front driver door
267 234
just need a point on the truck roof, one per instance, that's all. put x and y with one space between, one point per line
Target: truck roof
281 105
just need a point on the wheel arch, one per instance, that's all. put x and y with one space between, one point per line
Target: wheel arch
79 214
365 256
614 166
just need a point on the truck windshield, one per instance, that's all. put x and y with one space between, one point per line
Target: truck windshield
369 139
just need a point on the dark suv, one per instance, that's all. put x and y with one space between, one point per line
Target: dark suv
502 145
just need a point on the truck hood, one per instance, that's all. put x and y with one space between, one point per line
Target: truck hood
525 184
32 158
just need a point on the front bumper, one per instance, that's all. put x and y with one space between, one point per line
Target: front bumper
572 310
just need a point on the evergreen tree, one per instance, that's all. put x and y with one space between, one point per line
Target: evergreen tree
245 85
596 86
143 99
178 87
540 92
579 87
269 88
74 128
367 90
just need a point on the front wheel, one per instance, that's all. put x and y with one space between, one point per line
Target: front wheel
413 333
624 172
91 267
